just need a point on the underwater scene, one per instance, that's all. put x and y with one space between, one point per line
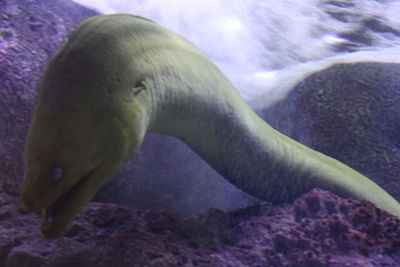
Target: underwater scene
199 133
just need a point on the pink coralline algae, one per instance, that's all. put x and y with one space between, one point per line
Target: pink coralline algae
318 229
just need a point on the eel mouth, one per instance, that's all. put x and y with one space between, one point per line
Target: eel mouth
55 218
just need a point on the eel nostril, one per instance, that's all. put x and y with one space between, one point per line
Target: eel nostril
139 86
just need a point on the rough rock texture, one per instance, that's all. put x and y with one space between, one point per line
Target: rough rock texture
319 229
350 112
30 32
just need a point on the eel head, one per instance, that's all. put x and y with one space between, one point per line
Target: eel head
77 141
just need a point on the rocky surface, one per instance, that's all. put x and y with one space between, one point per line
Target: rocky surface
319 229
30 32
349 112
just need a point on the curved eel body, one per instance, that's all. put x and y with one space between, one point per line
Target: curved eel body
121 76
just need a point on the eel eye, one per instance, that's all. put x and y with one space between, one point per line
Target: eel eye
56 173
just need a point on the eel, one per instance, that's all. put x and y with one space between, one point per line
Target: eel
120 76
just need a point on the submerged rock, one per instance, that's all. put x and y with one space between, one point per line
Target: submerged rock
319 229
30 32
350 112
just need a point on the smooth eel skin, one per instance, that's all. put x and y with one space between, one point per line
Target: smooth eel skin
120 76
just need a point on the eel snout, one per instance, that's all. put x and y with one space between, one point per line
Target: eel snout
57 207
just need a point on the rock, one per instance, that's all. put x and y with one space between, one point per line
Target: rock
349 112
319 229
30 32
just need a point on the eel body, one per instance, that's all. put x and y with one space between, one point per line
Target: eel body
120 76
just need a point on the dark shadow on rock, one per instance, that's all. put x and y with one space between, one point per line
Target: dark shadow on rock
167 175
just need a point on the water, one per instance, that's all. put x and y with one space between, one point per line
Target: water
266 46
